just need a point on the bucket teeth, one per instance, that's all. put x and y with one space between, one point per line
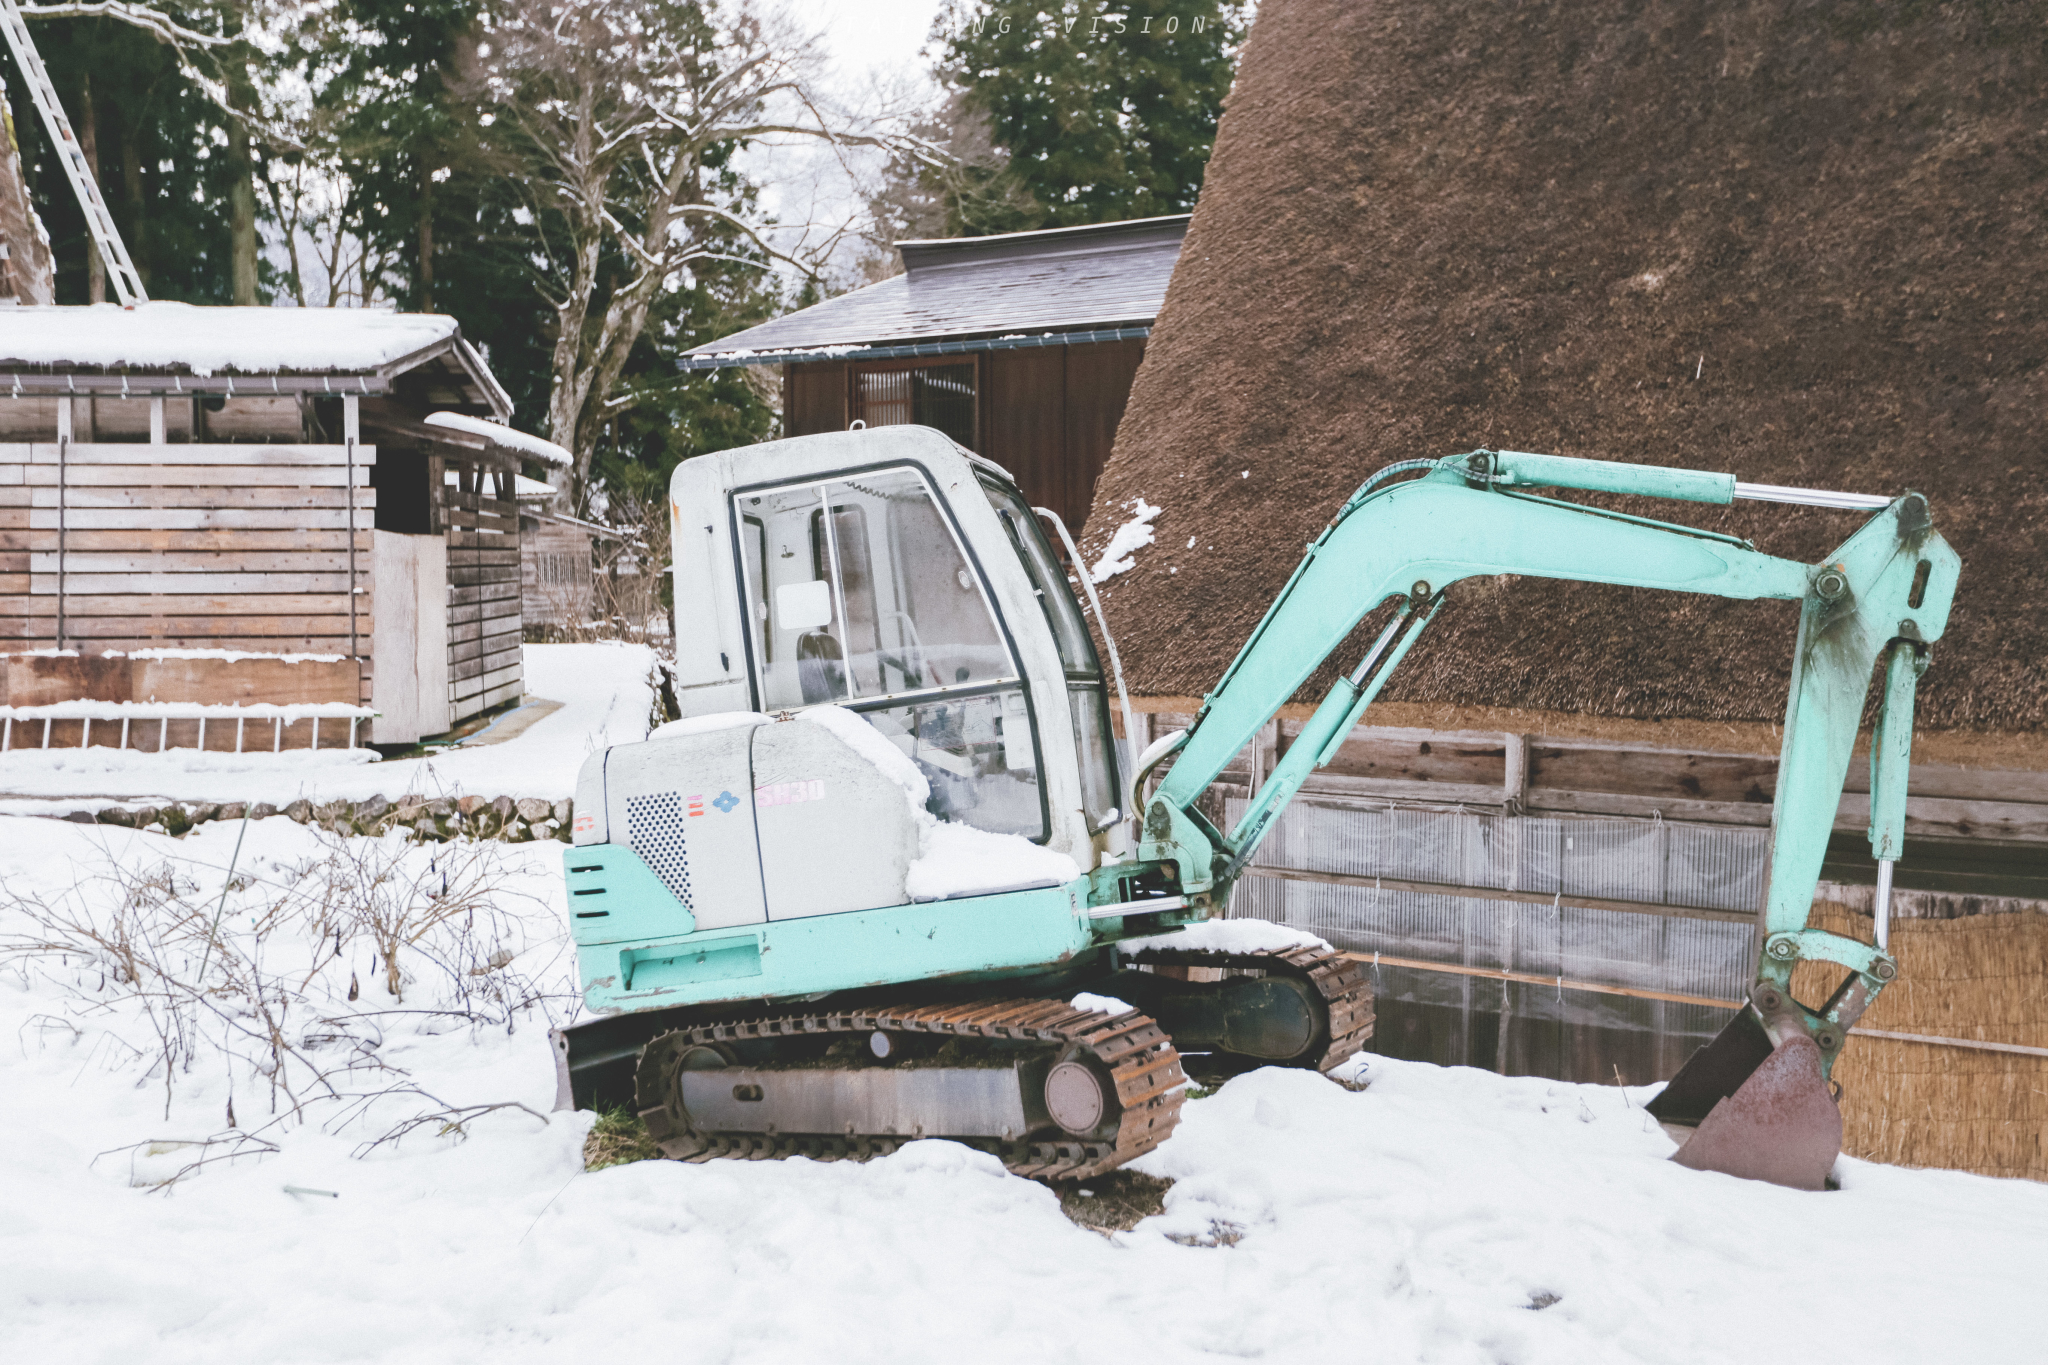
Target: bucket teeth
1754 1111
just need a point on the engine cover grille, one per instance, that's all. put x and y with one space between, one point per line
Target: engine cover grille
654 830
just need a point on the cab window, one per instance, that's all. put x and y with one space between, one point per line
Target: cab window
858 594
1087 698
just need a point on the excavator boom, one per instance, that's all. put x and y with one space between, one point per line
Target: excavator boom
1882 596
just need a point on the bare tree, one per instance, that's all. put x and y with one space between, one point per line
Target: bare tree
622 121
27 274
947 178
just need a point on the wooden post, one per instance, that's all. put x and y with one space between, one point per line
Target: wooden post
1516 784
351 431
158 433
1263 755
64 414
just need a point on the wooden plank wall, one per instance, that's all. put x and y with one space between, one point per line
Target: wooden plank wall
1099 380
185 546
1050 417
1024 423
554 574
814 398
483 589
1048 414
1538 775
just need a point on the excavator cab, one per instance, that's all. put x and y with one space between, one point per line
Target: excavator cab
893 574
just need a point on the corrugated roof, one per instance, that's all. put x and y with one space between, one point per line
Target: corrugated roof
1032 282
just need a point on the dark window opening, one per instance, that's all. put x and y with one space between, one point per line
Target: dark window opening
938 396
405 493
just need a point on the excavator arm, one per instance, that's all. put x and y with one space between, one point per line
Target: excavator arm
1882 596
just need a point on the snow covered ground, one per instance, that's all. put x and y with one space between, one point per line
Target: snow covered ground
605 696
1419 1219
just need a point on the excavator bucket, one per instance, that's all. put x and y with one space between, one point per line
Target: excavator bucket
1747 1108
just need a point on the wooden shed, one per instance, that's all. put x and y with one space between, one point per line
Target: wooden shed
559 556
1021 347
216 489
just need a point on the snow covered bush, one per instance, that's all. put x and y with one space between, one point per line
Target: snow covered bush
288 960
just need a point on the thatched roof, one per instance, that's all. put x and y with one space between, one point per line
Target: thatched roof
1802 243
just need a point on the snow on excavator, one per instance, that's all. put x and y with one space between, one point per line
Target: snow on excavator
847 900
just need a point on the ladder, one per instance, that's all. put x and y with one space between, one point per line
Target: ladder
99 222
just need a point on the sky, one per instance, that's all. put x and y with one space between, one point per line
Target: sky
873 55
870 36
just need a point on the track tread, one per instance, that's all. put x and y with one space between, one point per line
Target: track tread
1144 1069
1343 984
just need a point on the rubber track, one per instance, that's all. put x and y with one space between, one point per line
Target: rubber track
1342 983
1140 1057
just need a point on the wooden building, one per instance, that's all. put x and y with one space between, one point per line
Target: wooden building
1020 347
1788 259
245 484
558 561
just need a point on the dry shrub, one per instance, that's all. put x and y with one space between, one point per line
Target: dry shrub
261 973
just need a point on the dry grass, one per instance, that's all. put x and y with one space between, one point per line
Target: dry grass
616 1138
1912 1104
1116 1202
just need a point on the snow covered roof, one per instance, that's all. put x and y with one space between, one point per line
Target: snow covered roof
498 434
207 341
181 348
1104 276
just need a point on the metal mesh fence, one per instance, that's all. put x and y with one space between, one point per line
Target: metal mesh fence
1515 1026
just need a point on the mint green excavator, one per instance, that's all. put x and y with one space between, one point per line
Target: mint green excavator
852 897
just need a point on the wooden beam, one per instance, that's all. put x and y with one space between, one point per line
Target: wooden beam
174 584
275 499
268 516
335 560
204 604
144 476
1976 1043
227 539
291 454
1296 874
1532 979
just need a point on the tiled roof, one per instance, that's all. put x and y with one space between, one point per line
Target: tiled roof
1065 279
